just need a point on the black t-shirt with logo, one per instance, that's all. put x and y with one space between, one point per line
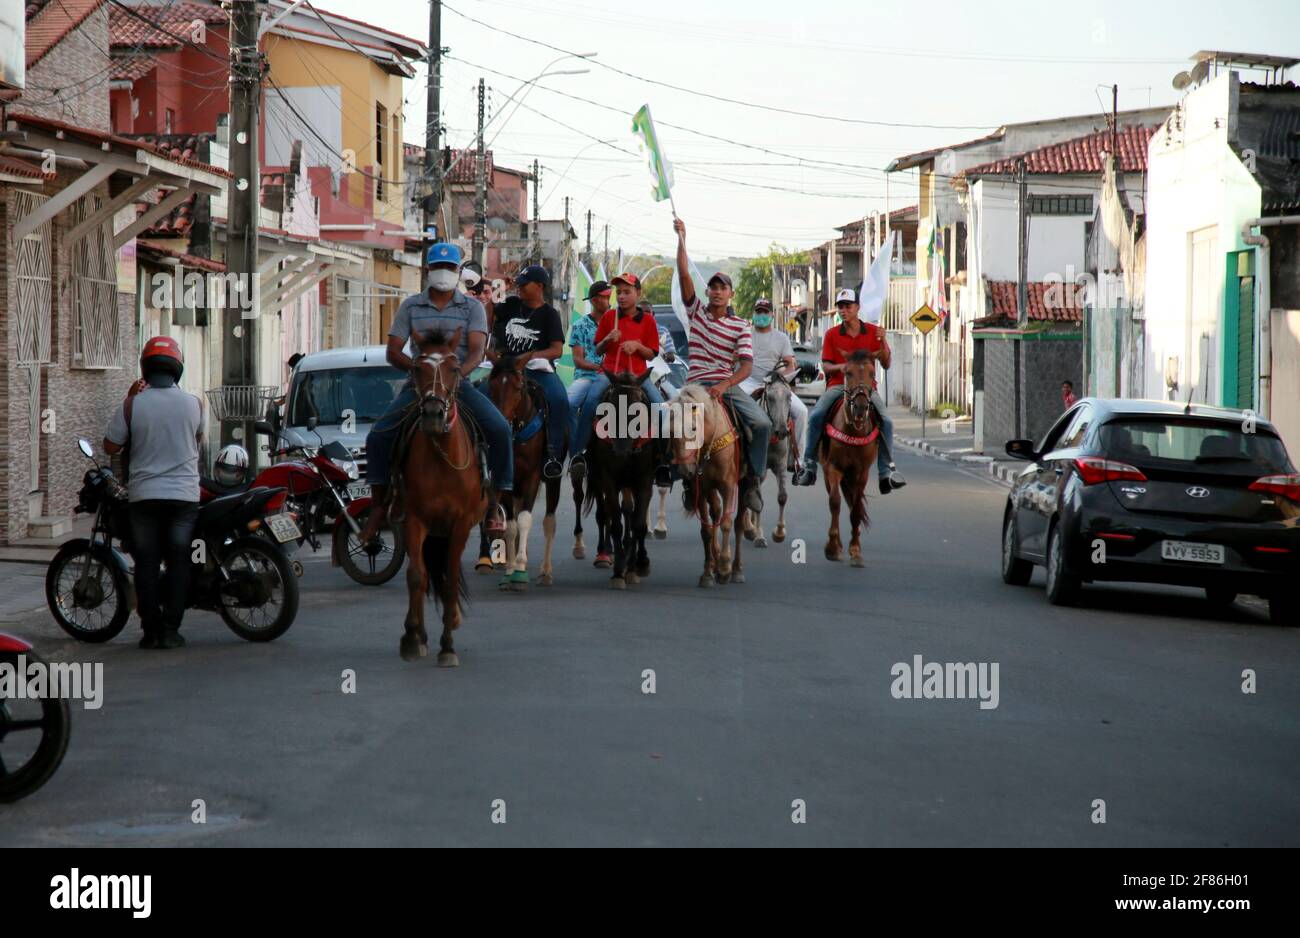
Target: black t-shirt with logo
518 330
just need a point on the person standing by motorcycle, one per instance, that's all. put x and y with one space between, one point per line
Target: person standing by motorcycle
159 428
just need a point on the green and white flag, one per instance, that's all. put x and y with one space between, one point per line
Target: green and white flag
582 281
661 171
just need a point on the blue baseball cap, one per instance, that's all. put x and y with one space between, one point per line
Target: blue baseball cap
533 274
445 253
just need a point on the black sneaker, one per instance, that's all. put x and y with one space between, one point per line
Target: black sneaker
553 469
807 474
885 487
171 639
664 477
578 467
896 479
754 499
149 640
688 494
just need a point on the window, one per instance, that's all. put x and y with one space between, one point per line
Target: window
1078 429
326 395
1189 444
95 341
169 120
1060 205
381 130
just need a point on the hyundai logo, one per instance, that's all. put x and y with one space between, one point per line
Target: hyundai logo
1198 491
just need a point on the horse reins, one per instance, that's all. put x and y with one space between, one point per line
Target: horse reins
449 402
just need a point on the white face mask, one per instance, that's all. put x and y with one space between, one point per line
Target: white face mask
443 280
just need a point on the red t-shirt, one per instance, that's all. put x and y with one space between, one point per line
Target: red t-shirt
839 345
645 331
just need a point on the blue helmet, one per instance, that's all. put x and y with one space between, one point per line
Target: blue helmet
445 253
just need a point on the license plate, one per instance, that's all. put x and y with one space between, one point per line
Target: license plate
359 490
1188 551
283 528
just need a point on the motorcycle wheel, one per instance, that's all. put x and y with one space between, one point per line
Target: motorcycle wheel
263 567
20 776
357 562
107 607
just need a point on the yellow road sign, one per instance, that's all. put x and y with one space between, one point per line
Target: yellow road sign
925 319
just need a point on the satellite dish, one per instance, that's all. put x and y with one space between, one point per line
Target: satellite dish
1182 80
1200 71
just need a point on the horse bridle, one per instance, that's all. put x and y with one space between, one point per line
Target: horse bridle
432 396
771 379
851 394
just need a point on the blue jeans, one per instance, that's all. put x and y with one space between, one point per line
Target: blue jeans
557 410
817 423
501 454
584 416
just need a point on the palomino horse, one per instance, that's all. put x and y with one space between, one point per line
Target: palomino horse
774 396
508 388
706 449
621 464
848 451
442 493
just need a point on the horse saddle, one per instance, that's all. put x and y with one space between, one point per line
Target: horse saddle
739 425
537 422
410 426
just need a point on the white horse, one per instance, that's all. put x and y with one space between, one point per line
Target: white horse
775 400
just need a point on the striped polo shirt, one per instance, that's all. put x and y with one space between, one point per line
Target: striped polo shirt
716 344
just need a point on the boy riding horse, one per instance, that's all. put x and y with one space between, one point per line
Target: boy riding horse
840 343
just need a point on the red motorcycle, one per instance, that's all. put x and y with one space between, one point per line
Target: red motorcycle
33 733
321 483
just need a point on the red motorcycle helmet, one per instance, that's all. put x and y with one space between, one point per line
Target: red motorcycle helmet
162 353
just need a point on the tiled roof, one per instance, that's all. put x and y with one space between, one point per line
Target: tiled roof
183 148
462 169
1066 301
1080 155
132 66
15 167
130 31
49 23
189 260
175 224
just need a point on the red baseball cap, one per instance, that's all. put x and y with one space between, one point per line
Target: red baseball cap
631 279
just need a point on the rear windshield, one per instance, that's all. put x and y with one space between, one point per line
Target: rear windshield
1194 445
325 395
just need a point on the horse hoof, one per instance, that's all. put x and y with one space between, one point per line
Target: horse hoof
834 555
498 566
857 562
603 562
706 581
631 578
778 535
546 579
448 659
660 533
737 577
518 586
760 542
617 583
579 553
484 565
412 649
643 569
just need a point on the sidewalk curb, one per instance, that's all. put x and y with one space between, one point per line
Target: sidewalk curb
1003 474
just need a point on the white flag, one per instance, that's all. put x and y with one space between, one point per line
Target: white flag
679 305
875 288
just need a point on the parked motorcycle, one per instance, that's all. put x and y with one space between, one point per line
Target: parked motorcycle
325 492
244 578
33 733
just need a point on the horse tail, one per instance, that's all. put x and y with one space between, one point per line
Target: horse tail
436 552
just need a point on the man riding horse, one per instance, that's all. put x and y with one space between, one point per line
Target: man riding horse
719 338
773 352
852 334
440 308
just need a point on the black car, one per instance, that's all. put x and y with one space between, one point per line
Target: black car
1157 492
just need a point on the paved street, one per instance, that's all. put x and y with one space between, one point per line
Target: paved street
767 692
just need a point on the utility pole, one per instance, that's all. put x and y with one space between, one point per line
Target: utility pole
1114 119
589 270
537 218
480 179
604 260
432 171
239 320
1022 273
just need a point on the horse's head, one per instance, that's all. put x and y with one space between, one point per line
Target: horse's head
507 387
436 369
859 379
776 401
688 416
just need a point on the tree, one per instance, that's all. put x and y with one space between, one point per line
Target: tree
658 286
755 278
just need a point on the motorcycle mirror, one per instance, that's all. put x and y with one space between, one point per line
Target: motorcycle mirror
86 450
264 428
311 423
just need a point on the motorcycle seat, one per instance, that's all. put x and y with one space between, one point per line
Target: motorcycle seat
211 488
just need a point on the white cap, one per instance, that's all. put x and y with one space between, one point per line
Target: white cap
846 296
469 277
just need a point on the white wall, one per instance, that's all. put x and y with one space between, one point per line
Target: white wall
1195 184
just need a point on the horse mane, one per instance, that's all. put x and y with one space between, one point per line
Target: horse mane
860 356
694 394
507 363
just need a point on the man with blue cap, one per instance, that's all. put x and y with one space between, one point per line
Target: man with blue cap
443 308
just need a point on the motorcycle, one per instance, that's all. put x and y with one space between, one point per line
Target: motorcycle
324 491
243 577
26 760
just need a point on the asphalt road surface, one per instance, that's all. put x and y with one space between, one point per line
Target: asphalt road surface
772 703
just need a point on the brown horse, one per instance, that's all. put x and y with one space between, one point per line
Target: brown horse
706 449
508 388
621 465
848 451
442 493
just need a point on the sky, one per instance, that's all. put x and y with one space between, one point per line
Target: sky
896 78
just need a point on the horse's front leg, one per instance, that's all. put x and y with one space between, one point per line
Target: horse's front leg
415 641
834 549
707 538
614 518
856 494
640 529
778 533
722 507
484 562
519 569
548 528
450 596
661 519
579 549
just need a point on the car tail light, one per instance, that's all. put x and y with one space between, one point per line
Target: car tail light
1273 550
1288 486
1094 469
1114 536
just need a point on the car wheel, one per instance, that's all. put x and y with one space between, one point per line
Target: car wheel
1015 570
1284 609
1062 587
1220 597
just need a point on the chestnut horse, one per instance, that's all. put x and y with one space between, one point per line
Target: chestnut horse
508 388
443 496
621 464
848 451
706 449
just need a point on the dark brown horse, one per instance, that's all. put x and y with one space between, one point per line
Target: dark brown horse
848 451
604 552
442 494
621 464
508 388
